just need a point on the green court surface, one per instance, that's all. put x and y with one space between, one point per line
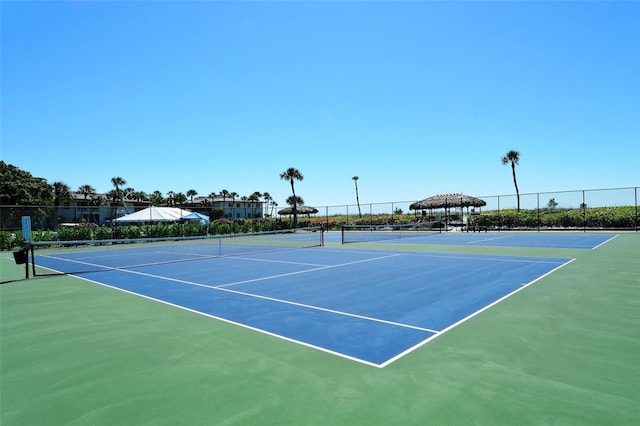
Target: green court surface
563 351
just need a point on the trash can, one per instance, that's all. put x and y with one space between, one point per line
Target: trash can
21 257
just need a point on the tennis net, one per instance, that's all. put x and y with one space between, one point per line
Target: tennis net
365 233
76 257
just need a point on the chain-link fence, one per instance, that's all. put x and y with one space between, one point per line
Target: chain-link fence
611 208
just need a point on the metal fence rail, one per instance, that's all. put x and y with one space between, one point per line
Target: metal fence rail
49 217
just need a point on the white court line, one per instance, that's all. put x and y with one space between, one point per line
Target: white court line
440 333
490 239
287 262
469 256
309 270
436 333
604 242
287 302
228 321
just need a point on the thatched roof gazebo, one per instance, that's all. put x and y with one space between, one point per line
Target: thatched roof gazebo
300 209
447 201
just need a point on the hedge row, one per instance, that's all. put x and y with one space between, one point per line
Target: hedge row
592 218
14 239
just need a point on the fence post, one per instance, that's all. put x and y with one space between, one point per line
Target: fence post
635 191
538 208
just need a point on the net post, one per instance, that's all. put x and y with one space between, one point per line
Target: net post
27 249
33 259
26 234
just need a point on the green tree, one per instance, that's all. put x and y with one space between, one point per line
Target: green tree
116 194
191 193
294 200
233 196
139 196
224 194
128 193
266 197
244 198
513 157
156 198
355 179
86 190
255 199
28 196
61 193
180 198
292 174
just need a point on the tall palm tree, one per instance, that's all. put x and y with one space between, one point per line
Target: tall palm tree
225 194
61 193
292 174
117 182
127 194
244 199
513 157
255 197
191 193
233 196
266 197
355 179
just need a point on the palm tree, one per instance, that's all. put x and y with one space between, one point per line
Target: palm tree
117 193
294 200
244 198
61 193
233 196
224 193
139 196
255 197
156 198
267 197
117 183
86 190
513 157
180 199
355 179
292 174
127 194
191 193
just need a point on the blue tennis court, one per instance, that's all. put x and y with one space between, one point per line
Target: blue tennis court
503 239
371 306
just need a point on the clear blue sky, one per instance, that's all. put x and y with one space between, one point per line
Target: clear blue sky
414 97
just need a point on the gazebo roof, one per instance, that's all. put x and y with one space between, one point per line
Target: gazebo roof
448 200
301 210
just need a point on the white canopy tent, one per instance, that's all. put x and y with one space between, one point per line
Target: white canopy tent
155 214
196 217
